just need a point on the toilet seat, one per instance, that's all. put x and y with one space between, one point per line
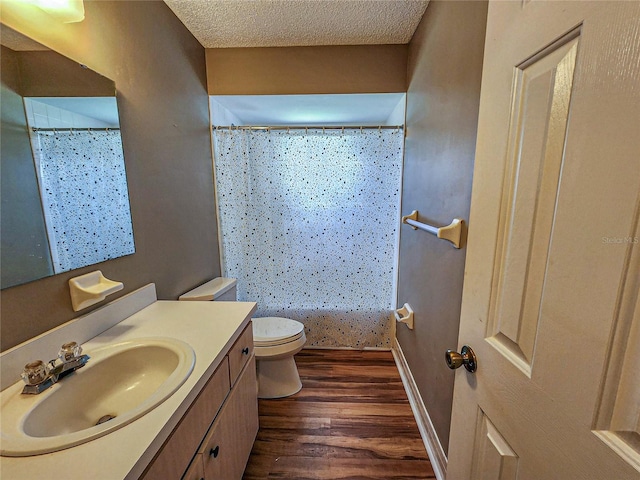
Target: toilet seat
275 331
276 338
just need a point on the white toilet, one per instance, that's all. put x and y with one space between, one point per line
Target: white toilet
276 340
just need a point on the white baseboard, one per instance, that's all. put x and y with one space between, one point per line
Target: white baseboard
427 431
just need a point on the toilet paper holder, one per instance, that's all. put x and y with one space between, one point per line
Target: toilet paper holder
405 315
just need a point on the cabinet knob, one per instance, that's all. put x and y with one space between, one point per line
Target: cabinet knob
214 451
245 350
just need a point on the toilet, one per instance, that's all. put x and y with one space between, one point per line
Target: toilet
275 339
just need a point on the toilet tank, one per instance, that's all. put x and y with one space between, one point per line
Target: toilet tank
220 289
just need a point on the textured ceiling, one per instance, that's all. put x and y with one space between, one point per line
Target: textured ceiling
280 23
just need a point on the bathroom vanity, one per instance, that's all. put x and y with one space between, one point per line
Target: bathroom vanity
205 429
228 404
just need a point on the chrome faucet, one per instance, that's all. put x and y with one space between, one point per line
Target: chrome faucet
39 376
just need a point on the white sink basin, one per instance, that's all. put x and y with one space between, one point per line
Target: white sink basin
119 384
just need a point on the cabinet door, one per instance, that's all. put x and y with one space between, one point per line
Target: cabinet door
227 447
178 450
195 470
240 353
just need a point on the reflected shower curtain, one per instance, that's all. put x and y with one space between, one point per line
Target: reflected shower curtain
309 223
84 195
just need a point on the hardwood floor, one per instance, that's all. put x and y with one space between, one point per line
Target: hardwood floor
351 420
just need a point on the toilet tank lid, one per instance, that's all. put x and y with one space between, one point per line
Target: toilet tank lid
210 290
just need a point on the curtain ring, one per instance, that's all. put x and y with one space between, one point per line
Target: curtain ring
361 131
323 130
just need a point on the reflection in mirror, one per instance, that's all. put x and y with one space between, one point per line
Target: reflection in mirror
65 201
80 169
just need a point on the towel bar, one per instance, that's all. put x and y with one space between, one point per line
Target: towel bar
451 232
405 315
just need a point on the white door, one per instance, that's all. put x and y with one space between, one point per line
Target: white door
550 303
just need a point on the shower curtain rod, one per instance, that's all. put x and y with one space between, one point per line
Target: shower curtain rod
87 129
310 127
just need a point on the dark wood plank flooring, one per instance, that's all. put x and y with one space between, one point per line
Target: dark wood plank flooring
351 420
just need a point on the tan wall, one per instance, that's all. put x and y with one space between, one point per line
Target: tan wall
307 70
48 74
445 64
159 71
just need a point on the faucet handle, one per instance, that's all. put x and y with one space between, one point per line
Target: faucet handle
35 372
69 351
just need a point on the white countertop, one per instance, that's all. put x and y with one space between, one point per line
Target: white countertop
210 328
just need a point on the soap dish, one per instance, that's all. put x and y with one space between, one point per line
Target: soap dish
91 288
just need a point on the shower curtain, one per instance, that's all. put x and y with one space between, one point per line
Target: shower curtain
309 227
84 194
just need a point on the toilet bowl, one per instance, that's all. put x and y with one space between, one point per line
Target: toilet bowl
275 339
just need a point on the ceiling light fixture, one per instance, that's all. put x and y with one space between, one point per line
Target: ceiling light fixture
66 11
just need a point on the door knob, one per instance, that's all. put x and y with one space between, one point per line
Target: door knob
466 357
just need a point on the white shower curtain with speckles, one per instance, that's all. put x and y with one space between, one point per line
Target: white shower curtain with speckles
309 223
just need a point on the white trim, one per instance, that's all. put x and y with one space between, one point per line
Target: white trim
427 431
223 268
396 258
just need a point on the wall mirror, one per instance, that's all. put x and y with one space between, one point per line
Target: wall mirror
65 202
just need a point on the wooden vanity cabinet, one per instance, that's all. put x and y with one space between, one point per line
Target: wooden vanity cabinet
213 440
195 470
228 444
